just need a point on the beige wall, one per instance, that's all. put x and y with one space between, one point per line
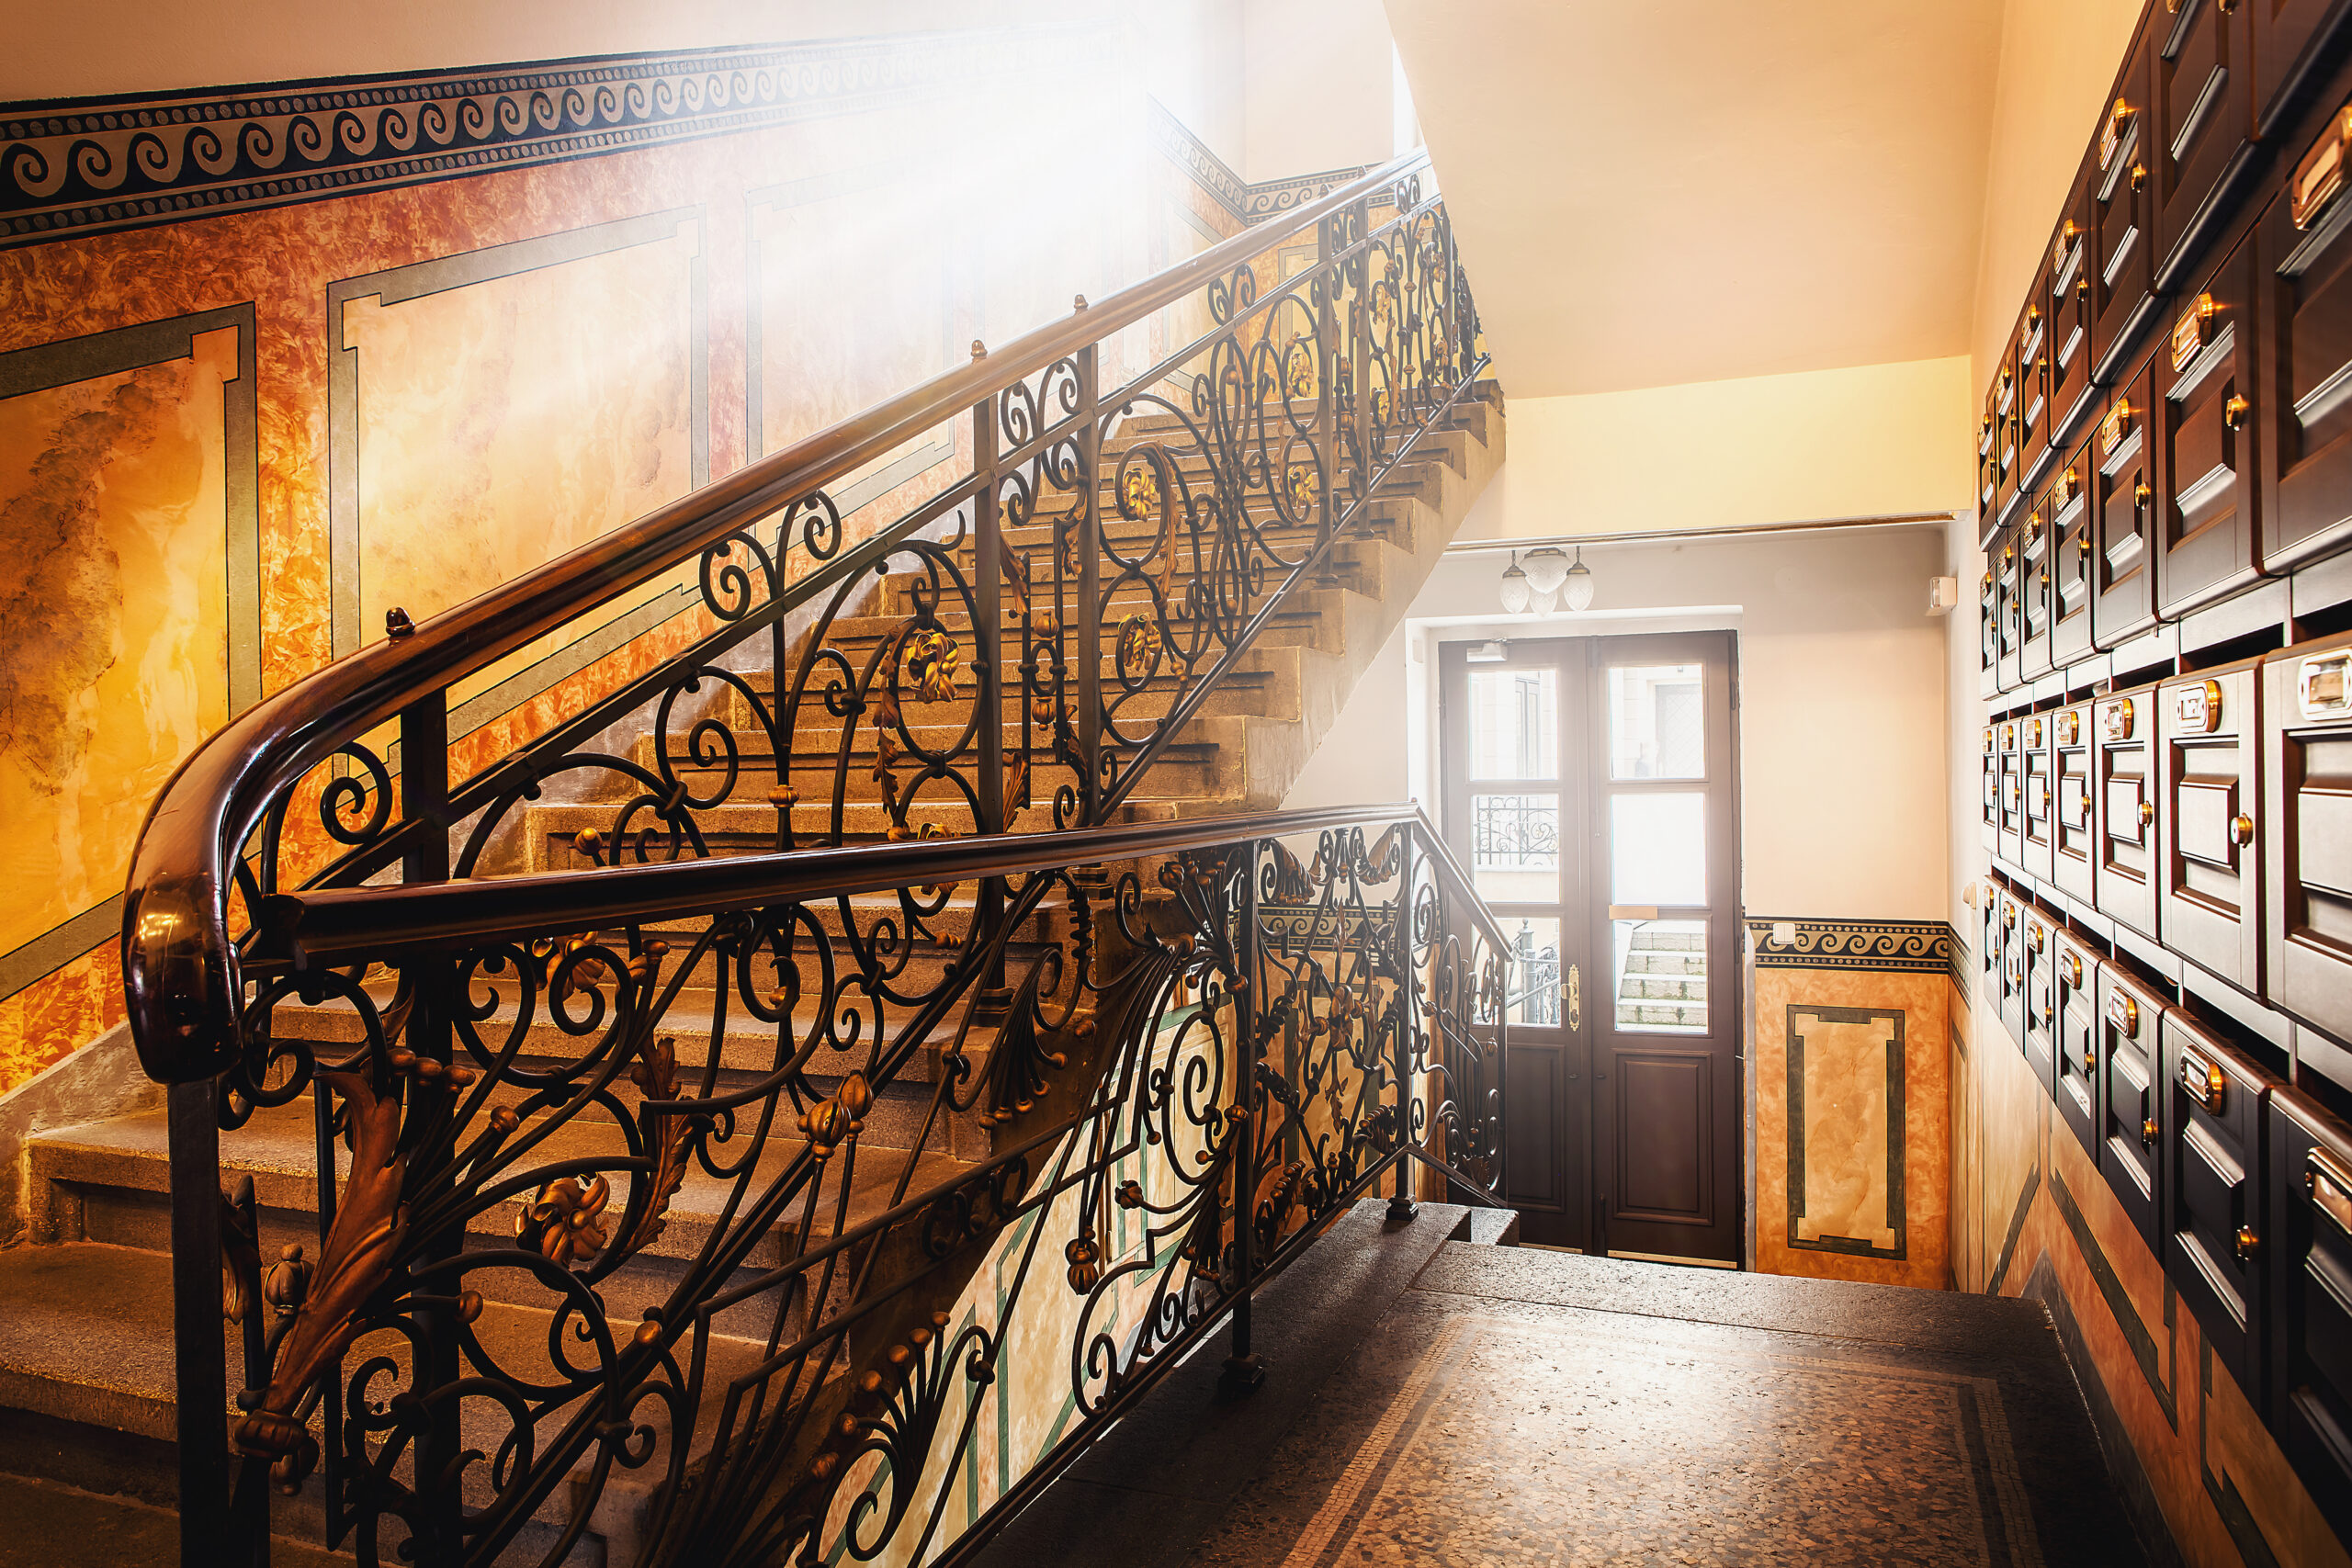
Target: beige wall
1841 706
1319 86
1879 440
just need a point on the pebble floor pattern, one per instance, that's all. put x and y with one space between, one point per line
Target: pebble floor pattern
1504 1406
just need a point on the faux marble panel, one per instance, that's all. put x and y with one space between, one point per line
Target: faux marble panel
1851 1139
114 627
1845 1130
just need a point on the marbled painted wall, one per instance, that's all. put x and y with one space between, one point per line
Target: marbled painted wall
2031 1215
1847 1058
463 365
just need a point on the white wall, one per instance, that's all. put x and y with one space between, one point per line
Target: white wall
1321 86
1842 704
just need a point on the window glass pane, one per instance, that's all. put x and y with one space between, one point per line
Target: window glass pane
1535 969
1658 848
1515 848
1661 969
1656 723
1514 718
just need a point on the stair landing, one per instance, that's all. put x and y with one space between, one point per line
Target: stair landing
1514 1406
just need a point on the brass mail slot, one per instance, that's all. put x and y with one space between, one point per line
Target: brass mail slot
2206 1084
2063 492
2192 331
2124 1013
2111 134
2322 685
2199 707
2330 1186
2115 720
2319 178
2115 427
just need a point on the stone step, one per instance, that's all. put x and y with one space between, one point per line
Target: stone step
1668 1015
1649 939
1662 988
1642 961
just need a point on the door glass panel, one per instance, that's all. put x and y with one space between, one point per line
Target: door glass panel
1515 848
1658 848
1514 724
1661 975
1657 727
1535 969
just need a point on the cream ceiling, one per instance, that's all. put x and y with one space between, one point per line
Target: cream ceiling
1649 192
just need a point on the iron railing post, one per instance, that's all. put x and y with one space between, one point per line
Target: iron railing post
1243 1369
988 665
1086 520
1400 1202
194 1139
1327 378
1360 350
424 797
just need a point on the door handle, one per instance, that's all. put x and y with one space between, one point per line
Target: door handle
1573 989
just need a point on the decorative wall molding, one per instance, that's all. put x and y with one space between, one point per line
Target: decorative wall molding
1923 946
94 165
1274 198
1192 154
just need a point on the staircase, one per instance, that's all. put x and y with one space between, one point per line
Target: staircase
87 1374
1665 983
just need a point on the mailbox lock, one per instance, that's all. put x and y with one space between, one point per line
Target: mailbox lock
2148 1131
2246 1243
2147 812
2234 413
2242 830
2138 177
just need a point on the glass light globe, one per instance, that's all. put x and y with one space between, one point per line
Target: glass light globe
1514 590
1543 601
1546 569
1576 589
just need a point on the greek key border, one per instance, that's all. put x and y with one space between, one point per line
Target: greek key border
1923 946
73 167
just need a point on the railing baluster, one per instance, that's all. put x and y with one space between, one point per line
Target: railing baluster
987 664
1243 1369
1401 1207
1088 521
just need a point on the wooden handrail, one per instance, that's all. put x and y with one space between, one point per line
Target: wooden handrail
180 966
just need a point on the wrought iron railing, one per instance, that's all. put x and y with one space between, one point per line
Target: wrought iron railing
648 1071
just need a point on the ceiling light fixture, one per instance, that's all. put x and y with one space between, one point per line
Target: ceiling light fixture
1576 589
1546 569
1514 590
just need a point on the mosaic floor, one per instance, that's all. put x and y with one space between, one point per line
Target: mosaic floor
1512 1407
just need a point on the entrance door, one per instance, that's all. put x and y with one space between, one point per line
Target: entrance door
1591 785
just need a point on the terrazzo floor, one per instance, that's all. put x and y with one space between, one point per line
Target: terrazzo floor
1516 1407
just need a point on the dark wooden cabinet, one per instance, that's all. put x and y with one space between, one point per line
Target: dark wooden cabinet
2303 408
2029 350
2290 39
2012 993
2005 436
2309 1187
2010 848
2037 830
2073 311
2207 439
1988 625
2070 557
2124 1082
2036 544
2203 145
2127 481
2124 200
1988 470
2039 1012
1988 950
2307 801
2074 846
2213 1142
2123 885
1990 770
2207 821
